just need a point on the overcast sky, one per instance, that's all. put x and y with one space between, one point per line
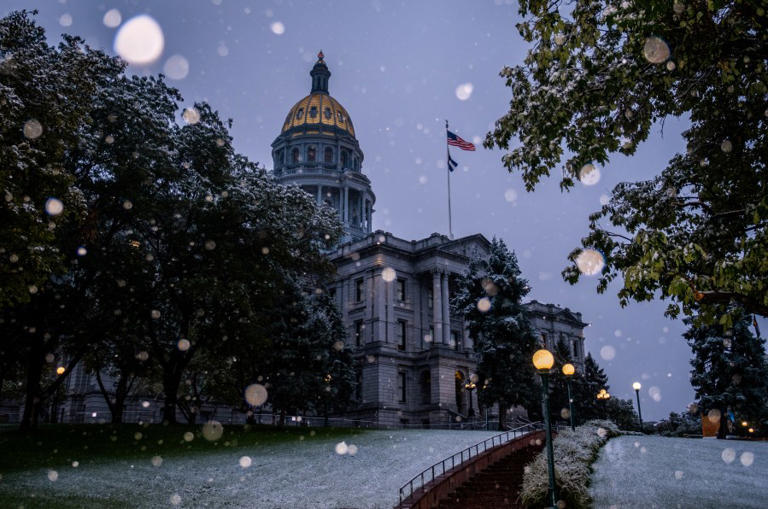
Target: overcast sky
401 69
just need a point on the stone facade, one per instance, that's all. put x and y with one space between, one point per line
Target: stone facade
413 356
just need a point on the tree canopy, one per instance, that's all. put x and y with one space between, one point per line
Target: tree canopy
599 76
127 231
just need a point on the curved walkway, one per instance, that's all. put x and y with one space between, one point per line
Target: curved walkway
658 472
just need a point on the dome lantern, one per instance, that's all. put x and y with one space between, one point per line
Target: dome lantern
320 75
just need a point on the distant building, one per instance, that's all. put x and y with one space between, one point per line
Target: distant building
413 355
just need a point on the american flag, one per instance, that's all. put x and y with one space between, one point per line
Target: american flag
457 141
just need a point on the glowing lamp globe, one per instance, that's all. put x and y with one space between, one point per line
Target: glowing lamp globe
568 369
543 360
636 386
60 370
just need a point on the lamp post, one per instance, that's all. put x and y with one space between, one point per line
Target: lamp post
636 386
470 386
543 361
568 371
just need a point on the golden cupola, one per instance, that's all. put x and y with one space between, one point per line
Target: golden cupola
319 110
317 150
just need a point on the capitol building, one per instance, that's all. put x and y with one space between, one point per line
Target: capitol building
413 355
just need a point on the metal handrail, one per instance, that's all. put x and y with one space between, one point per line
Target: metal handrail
463 456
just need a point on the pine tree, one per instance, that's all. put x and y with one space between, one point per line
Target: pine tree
585 388
490 298
730 373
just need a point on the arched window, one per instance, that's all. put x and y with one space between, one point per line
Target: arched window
313 112
327 113
344 158
328 157
311 154
295 155
299 113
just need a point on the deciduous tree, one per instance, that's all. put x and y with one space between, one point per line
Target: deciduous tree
599 75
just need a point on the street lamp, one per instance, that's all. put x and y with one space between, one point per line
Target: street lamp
470 386
568 371
543 361
604 395
636 386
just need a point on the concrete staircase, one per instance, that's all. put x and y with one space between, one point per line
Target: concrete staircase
497 486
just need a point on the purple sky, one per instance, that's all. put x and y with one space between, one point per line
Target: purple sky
396 68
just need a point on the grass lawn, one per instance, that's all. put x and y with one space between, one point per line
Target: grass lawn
295 467
657 472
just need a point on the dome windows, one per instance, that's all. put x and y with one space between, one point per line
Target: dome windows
328 155
311 154
313 112
327 113
295 156
299 113
340 117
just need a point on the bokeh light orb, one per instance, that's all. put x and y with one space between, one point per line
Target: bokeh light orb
32 129
140 40
112 18
277 27
655 50
388 274
589 174
213 430
590 262
464 91
176 67
54 206
256 394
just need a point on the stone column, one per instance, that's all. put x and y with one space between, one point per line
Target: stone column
319 193
446 310
346 203
380 302
437 309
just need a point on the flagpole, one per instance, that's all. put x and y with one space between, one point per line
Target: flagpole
448 167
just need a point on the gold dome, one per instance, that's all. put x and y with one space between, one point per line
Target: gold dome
319 109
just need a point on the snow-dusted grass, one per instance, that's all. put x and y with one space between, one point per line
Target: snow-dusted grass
297 473
574 452
659 472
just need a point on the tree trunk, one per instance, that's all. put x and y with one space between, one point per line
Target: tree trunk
32 396
171 382
722 431
502 417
